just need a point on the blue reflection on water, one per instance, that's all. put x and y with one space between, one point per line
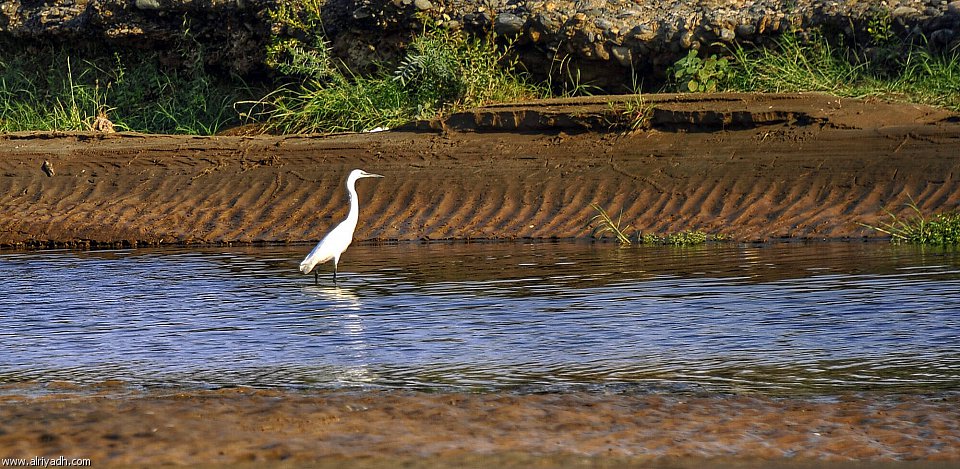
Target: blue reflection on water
821 317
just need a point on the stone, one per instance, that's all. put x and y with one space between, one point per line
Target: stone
547 24
953 8
686 39
508 24
642 33
746 30
765 24
727 35
591 4
600 51
623 55
942 36
603 24
423 5
904 12
361 14
148 4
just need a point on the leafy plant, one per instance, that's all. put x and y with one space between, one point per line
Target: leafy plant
432 74
683 238
880 28
298 48
696 75
440 72
941 229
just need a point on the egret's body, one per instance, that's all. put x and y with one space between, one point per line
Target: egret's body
338 239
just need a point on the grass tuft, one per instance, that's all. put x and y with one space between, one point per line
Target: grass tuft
942 229
814 64
56 88
602 223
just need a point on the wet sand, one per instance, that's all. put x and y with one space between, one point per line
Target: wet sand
364 429
754 167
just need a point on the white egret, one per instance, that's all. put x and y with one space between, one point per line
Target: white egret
337 240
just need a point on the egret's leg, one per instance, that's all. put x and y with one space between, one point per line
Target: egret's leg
316 276
334 274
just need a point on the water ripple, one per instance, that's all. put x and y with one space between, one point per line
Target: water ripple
780 318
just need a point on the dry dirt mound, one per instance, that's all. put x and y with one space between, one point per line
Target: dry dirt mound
754 167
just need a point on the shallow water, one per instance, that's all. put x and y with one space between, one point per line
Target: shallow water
791 318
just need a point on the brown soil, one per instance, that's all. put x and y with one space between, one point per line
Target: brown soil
394 429
751 166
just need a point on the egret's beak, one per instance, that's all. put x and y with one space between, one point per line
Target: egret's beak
371 175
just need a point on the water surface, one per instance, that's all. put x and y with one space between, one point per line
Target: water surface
781 318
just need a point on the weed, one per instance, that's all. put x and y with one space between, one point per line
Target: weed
633 113
696 75
683 238
795 65
942 229
56 88
814 64
565 77
880 29
603 223
442 71
298 48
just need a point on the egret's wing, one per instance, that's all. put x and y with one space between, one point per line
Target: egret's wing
334 243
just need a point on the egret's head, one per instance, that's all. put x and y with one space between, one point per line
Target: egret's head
359 173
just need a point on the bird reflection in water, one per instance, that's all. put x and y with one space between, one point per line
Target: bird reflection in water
356 345
340 296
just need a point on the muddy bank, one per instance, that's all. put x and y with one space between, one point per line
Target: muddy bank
454 430
754 167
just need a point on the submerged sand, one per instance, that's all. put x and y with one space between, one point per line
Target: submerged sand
377 428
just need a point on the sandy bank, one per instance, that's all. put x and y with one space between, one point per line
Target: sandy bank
756 167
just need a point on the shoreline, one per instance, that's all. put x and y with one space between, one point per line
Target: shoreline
751 167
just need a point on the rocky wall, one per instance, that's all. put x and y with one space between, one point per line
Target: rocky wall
604 39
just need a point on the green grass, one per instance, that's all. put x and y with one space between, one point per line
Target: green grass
56 88
441 71
942 229
602 224
815 64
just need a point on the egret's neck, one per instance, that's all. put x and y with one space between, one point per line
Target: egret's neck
354 214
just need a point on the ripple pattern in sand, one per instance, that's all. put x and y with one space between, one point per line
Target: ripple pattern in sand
474 186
